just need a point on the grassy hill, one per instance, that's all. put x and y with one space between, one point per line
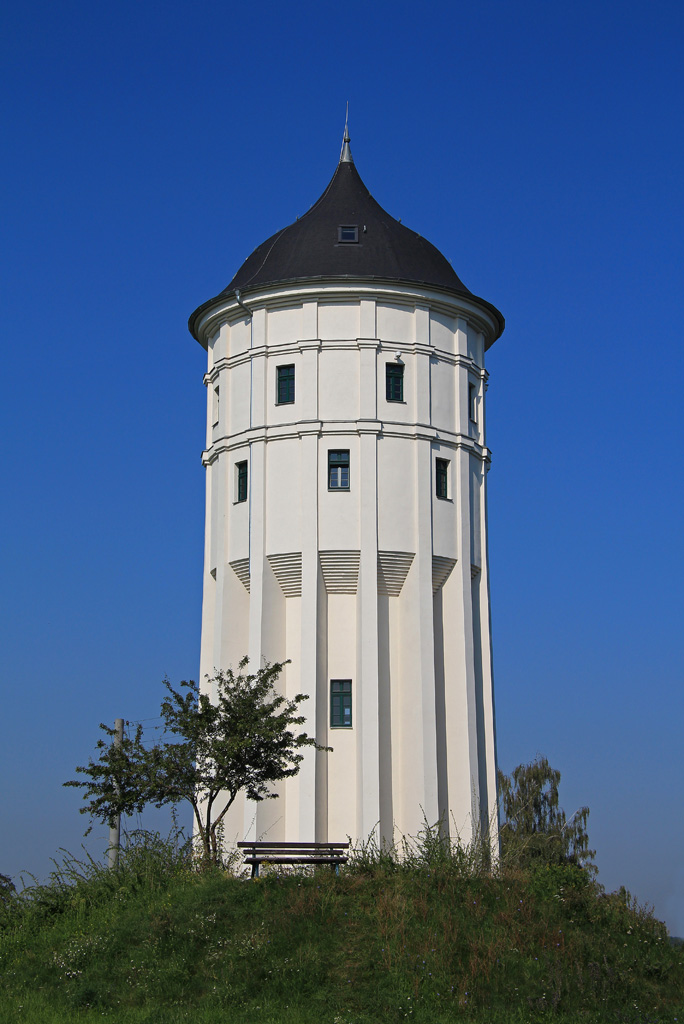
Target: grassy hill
436 940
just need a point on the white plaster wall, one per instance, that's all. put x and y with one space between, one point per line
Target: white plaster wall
444 394
395 323
417 677
342 776
397 412
235 384
283 479
233 512
338 510
239 337
442 330
338 320
290 412
284 325
445 511
338 390
396 512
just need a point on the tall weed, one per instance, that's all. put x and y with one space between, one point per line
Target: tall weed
433 848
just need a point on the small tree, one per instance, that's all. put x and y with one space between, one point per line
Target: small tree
243 740
535 829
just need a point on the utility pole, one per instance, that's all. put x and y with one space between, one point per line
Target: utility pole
115 832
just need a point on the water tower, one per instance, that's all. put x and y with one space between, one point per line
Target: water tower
346 524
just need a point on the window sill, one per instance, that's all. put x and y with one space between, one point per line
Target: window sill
444 497
344 490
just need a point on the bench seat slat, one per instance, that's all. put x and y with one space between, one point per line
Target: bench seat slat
258 845
293 852
295 860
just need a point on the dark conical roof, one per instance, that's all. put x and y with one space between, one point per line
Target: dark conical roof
311 247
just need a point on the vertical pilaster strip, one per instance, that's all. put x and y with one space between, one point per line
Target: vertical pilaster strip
368 388
258 409
492 809
220 499
460 696
209 385
422 396
307 826
309 319
367 723
307 387
422 325
367 319
209 589
462 404
422 567
257 485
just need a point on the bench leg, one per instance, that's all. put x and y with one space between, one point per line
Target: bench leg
255 870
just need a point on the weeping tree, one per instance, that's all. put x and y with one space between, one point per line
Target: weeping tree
245 739
535 830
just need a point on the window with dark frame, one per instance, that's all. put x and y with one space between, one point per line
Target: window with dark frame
340 703
241 475
348 233
285 386
442 478
394 382
472 402
216 406
338 470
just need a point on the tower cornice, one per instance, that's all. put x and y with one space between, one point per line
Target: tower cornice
347 428
374 344
226 309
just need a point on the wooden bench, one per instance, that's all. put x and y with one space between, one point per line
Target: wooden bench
294 853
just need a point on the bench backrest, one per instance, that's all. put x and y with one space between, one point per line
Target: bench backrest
293 849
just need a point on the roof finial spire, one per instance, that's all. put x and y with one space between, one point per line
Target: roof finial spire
345 155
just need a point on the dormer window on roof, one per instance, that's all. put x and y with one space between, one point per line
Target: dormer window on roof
348 233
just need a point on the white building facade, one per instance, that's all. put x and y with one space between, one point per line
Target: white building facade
346 524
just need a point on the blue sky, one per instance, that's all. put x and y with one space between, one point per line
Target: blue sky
148 149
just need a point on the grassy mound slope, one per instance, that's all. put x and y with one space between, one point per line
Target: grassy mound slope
432 942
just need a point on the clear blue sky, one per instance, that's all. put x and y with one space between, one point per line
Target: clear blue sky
147 149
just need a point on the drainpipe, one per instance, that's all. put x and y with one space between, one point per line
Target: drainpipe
240 303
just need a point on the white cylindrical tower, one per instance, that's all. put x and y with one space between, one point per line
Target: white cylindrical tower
346 522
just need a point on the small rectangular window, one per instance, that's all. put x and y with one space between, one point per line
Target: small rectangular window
215 411
340 703
285 386
472 402
348 233
241 481
394 382
338 471
442 478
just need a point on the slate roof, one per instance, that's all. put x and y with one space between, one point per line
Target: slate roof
310 247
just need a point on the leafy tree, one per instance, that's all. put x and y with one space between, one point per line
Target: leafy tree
243 740
535 829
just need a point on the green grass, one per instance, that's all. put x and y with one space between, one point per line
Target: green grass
433 941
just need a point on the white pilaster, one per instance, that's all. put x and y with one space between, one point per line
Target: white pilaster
256 498
309 626
460 682
368 391
367 725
